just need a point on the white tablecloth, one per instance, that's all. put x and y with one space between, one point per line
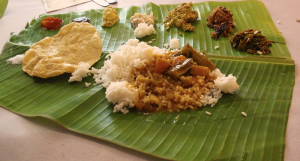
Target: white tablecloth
23 138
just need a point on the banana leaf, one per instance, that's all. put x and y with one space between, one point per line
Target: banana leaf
265 93
3 5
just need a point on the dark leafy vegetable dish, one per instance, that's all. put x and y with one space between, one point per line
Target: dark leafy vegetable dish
251 41
221 20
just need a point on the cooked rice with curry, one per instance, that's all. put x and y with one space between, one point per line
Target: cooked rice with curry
153 79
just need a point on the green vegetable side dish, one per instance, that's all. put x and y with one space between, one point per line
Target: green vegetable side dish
251 41
3 5
182 17
266 87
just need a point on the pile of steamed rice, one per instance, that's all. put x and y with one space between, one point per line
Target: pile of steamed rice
143 30
117 72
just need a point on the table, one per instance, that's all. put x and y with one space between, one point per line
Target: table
24 138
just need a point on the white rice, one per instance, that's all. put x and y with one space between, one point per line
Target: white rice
87 84
122 94
121 63
227 84
166 45
259 52
174 43
81 72
143 30
217 73
117 72
211 97
94 70
208 113
18 59
132 42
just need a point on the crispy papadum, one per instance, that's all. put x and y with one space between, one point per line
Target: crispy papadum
53 56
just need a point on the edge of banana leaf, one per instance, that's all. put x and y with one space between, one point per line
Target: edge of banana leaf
267 59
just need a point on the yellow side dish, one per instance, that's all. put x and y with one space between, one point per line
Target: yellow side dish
110 17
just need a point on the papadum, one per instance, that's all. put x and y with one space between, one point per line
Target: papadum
62 53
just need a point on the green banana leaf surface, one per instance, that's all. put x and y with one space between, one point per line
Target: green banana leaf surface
3 5
265 93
